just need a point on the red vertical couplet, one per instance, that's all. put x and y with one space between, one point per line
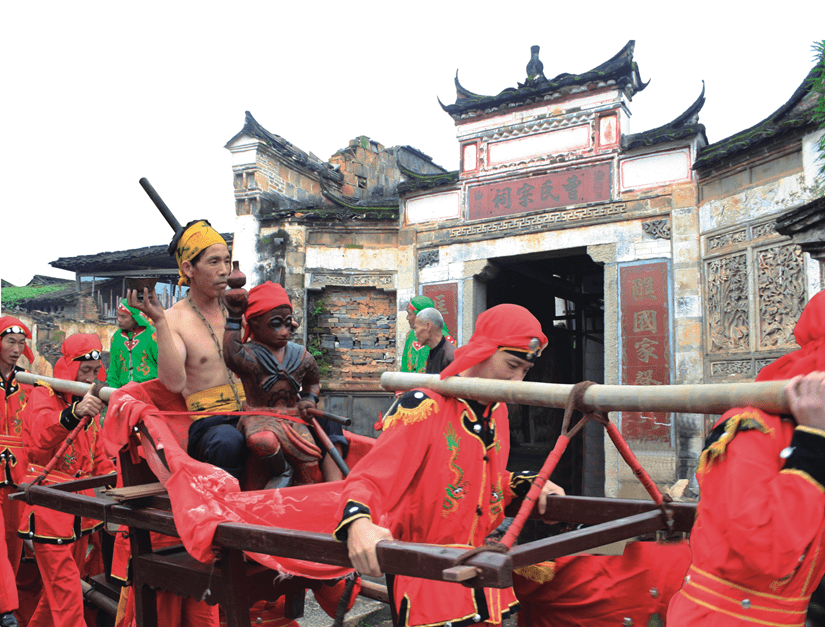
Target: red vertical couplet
645 342
445 297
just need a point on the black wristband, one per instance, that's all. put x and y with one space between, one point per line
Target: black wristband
233 324
309 396
68 419
352 511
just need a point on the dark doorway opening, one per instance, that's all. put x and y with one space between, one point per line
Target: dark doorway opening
565 291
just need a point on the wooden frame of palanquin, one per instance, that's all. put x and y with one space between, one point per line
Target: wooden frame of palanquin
236 584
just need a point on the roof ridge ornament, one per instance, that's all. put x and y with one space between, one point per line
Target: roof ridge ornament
535 68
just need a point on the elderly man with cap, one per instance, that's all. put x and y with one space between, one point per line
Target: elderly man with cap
281 375
438 475
133 355
60 539
13 397
190 347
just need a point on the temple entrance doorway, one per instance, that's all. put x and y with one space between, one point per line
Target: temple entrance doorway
565 291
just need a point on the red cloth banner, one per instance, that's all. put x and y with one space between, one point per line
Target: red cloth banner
645 340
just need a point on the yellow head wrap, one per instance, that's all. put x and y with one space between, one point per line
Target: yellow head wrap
196 238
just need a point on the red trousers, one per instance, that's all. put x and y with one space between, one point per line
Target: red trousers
11 548
62 602
173 611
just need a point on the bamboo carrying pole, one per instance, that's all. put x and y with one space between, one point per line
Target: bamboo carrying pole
713 398
78 388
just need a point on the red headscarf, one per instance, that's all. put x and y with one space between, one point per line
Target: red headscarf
810 335
6 322
75 346
263 298
503 326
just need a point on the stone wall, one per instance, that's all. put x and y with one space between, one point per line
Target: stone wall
354 331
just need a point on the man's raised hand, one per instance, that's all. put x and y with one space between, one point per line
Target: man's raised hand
149 304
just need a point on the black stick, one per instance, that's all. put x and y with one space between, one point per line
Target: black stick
164 211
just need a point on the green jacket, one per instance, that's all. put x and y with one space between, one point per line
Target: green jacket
133 355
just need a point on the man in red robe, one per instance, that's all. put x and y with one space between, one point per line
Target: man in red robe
13 398
759 535
60 539
438 475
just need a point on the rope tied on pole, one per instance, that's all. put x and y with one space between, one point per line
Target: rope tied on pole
575 402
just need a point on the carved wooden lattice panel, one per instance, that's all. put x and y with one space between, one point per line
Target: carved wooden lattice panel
727 289
780 294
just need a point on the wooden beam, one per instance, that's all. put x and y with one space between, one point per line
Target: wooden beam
586 539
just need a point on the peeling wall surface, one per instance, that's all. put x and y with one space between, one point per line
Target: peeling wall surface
558 207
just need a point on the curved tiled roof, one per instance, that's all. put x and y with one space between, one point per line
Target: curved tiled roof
619 70
146 259
286 149
793 116
685 125
416 181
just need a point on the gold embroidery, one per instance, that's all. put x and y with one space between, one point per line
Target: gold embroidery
716 451
804 475
540 573
411 415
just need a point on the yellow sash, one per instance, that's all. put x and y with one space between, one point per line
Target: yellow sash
219 398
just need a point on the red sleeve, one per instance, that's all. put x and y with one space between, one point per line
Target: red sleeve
103 464
391 470
42 430
753 515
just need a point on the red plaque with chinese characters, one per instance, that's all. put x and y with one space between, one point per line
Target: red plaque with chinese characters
445 297
645 328
557 189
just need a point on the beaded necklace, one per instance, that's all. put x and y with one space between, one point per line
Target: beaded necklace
217 345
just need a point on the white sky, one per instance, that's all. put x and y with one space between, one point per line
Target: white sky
96 95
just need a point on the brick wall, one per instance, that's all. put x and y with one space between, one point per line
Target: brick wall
354 328
370 171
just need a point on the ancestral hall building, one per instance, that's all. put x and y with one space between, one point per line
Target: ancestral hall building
650 258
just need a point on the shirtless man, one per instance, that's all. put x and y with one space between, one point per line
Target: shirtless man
190 347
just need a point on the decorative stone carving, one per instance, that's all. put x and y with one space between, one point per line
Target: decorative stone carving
538 222
726 239
727 289
383 281
780 272
763 230
657 228
427 258
761 363
731 368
